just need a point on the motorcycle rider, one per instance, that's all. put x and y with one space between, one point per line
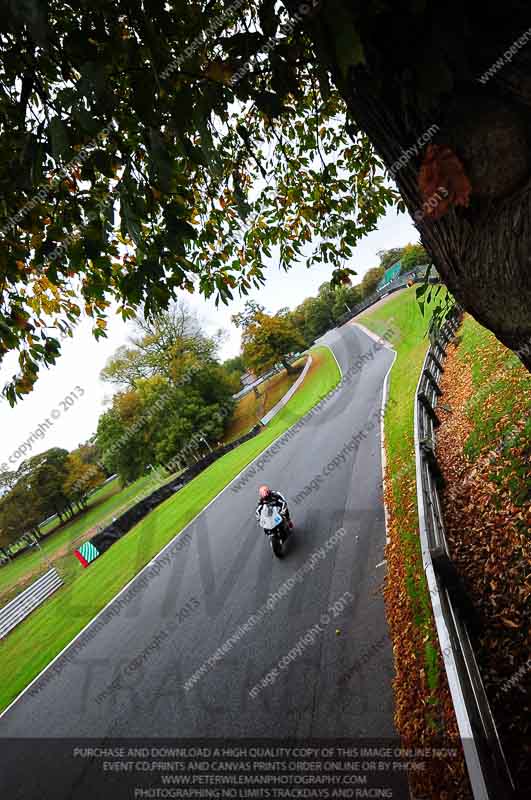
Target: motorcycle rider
268 496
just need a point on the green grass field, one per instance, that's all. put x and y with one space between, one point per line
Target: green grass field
102 506
410 344
99 496
36 641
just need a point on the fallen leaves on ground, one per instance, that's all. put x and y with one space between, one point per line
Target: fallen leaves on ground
487 521
424 717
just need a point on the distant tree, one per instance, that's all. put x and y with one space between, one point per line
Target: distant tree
157 419
37 493
312 318
191 421
81 479
7 481
389 257
326 291
234 364
172 341
88 451
123 438
19 513
212 384
248 315
345 298
49 471
413 255
125 368
370 281
234 369
298 320
319 316
268 340
168 344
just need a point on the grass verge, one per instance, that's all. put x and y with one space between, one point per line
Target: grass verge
423 706
250 408
36 641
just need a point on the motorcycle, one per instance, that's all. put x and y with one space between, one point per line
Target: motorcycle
275 526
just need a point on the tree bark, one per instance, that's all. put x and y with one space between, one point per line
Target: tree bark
483 251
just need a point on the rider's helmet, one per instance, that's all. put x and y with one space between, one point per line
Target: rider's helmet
264 492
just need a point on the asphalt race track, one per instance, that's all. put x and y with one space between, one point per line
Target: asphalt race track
337 684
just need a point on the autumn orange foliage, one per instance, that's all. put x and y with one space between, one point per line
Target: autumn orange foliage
488 534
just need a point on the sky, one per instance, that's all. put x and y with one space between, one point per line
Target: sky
69 397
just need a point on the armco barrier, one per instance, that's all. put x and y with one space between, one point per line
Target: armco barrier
455 618
28 600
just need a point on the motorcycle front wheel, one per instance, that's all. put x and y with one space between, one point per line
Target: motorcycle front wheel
276 546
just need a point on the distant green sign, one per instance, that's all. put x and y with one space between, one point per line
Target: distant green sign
391 272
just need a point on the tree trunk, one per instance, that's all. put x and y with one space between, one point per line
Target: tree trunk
483 251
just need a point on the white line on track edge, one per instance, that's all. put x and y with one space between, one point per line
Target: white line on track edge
385 397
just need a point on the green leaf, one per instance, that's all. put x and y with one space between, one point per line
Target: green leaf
349 49
269 103
58 136
130 221
161 159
